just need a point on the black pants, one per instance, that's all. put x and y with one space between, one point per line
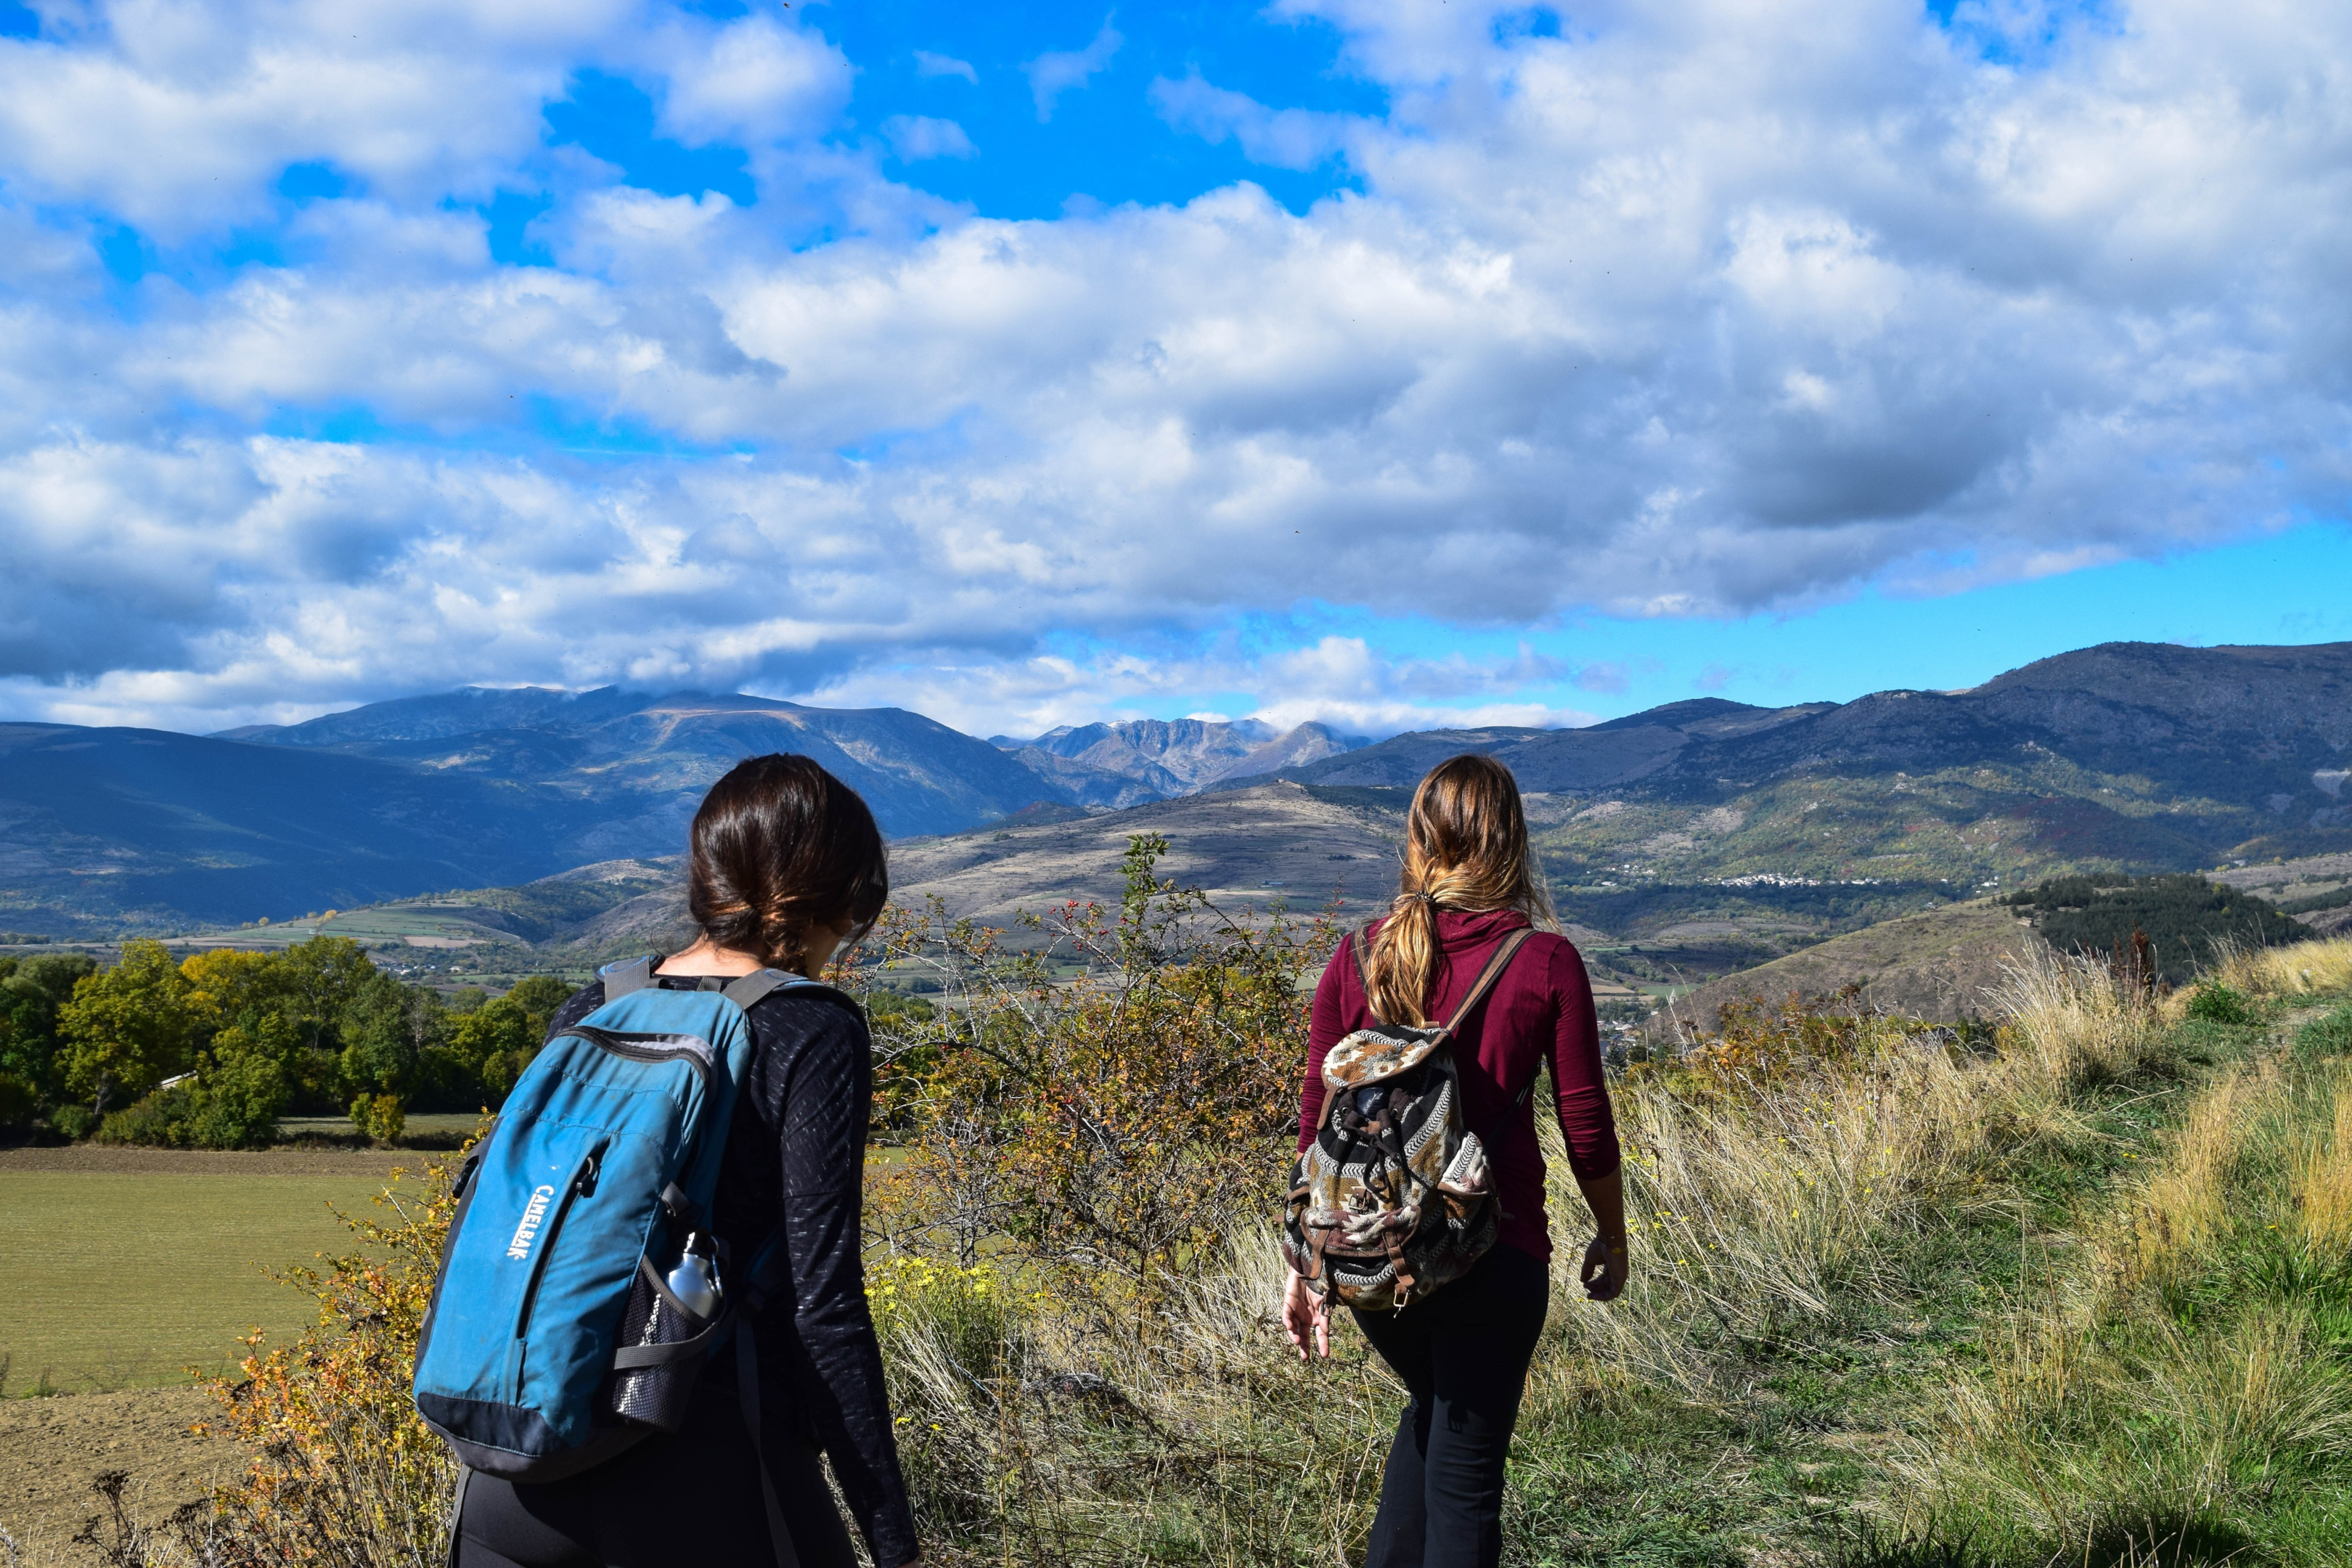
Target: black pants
689 1498
1463 1354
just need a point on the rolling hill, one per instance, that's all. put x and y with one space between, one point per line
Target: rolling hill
107 829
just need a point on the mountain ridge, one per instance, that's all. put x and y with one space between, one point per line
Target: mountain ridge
2123 756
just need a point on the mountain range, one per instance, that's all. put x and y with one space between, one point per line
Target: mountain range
1139 760
2130 755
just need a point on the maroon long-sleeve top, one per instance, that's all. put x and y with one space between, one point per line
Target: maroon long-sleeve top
1539 1012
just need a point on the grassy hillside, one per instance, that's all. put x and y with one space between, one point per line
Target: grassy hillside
1943 964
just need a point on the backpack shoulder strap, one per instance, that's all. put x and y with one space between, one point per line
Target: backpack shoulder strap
744 990
620 979
747 990
1506 950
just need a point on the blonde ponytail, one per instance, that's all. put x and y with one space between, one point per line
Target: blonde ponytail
1465 848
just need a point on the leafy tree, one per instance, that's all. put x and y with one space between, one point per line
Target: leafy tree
129 1027
31 992
230 984
242 1081
323 978
539 997
245 1078
497 1039
386 1028
18 1100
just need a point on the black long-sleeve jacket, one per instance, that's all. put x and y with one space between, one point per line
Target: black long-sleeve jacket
795 1157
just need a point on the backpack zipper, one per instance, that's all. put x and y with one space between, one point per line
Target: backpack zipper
637 1048
583 1182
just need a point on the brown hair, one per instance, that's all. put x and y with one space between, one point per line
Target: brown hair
1465 848
781 844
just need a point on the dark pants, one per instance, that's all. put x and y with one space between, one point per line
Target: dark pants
689 1498
1463 1354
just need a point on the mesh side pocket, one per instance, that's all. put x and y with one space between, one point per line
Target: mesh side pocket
655 1396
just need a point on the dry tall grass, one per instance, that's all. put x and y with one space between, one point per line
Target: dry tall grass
1757 1195
1772 1177
1029 1439
2185 1208
2069 1438
2306 969
2323 1173
2186 1372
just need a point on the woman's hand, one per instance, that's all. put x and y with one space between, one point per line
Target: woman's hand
1307 1317
1605 1263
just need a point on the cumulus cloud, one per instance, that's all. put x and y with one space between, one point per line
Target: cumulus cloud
1704 310
178 117
754 80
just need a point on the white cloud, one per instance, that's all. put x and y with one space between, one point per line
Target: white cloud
914 137
751 81
929 64
179 118
1707 310
1056 72
1280 139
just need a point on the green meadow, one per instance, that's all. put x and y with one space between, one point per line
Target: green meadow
120 1279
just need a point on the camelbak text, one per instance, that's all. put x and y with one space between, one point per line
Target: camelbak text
533 1212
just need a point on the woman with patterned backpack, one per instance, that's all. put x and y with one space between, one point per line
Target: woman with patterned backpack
1417 1200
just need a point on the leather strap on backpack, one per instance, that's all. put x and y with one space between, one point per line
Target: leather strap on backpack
1503 953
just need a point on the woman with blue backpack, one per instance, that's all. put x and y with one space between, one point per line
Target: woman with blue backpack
1418 1197
659 1320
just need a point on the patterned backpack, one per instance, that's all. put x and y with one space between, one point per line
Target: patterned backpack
1393 1197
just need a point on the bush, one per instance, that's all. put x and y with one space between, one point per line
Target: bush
1111 1128
343 1471
379 1116
161 1121
2214 1002
74 1122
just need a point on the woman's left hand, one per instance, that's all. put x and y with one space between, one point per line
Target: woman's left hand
1604 1269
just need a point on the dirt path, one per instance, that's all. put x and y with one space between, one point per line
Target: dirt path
92 1158
50 1449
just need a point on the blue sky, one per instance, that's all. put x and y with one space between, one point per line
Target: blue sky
1381 364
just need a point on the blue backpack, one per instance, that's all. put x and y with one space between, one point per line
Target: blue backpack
580 1288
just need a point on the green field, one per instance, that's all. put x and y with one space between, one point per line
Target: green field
115 1280
423 1129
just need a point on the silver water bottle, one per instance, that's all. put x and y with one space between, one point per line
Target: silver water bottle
694 1281
657 1397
